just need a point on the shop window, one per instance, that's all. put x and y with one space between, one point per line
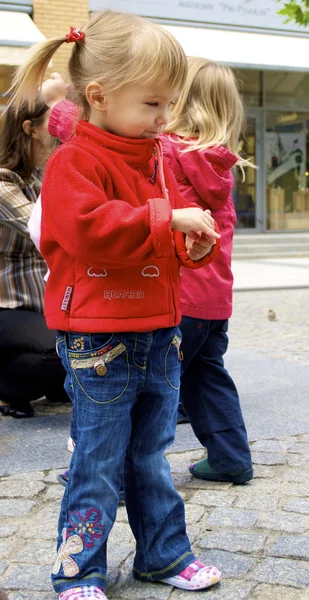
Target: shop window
286 89
287 170
250 84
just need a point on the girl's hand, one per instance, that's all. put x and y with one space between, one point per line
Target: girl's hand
53 90
198 248
195 222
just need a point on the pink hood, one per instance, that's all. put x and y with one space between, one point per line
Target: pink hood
205 177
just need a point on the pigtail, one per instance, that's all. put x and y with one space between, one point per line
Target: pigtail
29 76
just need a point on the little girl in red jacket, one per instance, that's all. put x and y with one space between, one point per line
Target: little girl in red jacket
115 232
200 144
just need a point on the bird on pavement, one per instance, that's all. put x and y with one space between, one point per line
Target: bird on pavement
271 315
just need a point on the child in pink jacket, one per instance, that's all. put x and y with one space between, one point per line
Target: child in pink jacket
200 144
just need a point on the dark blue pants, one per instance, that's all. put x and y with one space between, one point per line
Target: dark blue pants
209 395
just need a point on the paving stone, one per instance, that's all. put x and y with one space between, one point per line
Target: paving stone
54 492
266 446
136 590
271 592
282 571
294 488
193 533
287 442
234 541
52 476
262 471
300 448
28 577
291 546
213 498
28 475
259 502
304 437
268 458
297 475
230 563
283 521
28 595
180 461
298 505
297 460
6 547
117 554
200 484
228 517
42 552
3 566
8 530
194 513
258 486
15 508
121 531
20 488
225 590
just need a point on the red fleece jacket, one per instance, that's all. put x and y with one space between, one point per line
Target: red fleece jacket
114 261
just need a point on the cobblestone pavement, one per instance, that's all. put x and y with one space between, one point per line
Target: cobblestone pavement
258 534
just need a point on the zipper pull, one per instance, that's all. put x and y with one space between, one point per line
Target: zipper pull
153 178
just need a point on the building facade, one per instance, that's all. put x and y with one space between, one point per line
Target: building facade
272 64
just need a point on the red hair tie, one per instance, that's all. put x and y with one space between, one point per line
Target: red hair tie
75 35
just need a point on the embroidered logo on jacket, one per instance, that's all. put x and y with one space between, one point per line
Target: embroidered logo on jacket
123 294
91 273
150 271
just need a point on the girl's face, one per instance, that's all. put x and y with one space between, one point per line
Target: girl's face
134 111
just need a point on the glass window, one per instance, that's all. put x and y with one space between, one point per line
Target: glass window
250 83
286 89
244 192
287 170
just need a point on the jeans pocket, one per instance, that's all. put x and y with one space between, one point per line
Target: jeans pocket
172 363
102 373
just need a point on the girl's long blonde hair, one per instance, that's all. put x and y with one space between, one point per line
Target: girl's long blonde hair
118 49
209 111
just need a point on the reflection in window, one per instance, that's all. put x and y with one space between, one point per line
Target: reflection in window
286 157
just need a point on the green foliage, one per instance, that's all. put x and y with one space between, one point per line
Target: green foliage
295 10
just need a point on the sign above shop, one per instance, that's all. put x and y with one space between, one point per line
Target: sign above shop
261 14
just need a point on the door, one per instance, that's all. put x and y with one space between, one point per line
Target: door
247 193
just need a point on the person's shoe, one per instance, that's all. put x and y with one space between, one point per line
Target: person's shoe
181 415
195 577
70 445
10 411
92 592
203 470
63 478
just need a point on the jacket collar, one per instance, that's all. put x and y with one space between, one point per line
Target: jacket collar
134 151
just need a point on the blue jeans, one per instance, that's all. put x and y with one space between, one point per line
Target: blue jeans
126 393
209 395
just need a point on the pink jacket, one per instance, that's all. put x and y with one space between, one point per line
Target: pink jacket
205 177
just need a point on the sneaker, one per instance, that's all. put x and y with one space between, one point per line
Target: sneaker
195 577
203 470
70 445
63 478
92 592
181 416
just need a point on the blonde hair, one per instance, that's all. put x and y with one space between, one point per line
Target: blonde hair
117 49
209 111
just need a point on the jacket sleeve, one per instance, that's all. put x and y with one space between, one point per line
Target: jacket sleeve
210 175
34 223
78 215
62 120
15 208
179 201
